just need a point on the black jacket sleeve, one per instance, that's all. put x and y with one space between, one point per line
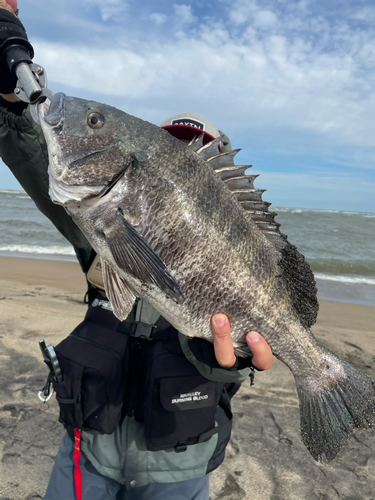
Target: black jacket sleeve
23 149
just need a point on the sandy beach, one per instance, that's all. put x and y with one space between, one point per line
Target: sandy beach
265 459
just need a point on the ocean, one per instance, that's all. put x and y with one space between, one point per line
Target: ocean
338 245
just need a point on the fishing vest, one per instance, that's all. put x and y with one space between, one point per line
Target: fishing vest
136 368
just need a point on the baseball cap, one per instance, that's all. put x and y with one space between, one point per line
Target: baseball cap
189 125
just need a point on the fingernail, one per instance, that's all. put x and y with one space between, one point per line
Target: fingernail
219 319
252 337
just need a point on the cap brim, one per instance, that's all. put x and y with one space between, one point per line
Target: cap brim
187 132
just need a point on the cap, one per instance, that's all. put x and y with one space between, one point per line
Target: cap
189 125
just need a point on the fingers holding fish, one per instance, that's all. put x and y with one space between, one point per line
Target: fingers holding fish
223 345
262 354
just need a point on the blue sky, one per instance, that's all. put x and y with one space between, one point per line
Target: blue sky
290 82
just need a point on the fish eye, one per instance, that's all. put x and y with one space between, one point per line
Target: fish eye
95 120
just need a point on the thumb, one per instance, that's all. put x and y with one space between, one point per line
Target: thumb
262 354
10 5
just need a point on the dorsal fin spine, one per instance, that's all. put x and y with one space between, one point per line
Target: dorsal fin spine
209 145
248 196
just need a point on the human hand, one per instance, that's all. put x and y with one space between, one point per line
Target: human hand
10 26
10 5
223 345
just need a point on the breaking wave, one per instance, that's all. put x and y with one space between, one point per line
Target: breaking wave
359 280
35 249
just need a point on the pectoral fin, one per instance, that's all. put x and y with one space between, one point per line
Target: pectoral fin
133 254
118 292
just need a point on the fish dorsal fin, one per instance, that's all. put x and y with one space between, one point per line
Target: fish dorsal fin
242 187
210 149
197 142
296 272
223 160
300 281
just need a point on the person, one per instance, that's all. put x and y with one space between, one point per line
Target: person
135 460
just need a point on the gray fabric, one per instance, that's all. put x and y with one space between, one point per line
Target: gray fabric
226 145
95 486
192 489
145 313
123 456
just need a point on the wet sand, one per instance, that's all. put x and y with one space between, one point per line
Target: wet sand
265 459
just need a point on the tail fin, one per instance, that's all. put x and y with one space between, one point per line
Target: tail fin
329 416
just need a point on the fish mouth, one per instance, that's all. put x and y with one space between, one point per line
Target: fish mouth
53 114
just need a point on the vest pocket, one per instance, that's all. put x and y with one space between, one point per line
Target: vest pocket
93 362
180 410
69 398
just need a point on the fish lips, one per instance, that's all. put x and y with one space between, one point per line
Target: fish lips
54 113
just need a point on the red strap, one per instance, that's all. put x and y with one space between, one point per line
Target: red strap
77 468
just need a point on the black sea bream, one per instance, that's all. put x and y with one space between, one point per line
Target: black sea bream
183 227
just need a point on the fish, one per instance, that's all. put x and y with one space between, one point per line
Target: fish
184 228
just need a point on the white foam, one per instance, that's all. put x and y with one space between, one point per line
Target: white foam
320 210
52 250
360 280
11 191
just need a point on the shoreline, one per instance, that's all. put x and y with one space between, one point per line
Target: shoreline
348 293
330 290
44 299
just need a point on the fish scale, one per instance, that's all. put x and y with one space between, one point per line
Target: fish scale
171 230
199 258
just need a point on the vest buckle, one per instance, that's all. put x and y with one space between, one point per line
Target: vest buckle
180 447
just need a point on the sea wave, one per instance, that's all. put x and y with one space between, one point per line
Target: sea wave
11 191
360 280
333 267
300 210
35 249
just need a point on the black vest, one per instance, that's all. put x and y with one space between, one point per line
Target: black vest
112 369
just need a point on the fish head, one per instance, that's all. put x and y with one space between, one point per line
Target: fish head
90 146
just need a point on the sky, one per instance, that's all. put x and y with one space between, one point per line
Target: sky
290 82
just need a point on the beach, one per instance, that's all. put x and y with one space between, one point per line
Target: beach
265 459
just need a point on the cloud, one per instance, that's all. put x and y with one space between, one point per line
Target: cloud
158 18
184 13
268 80
109 9
290 80
265 19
